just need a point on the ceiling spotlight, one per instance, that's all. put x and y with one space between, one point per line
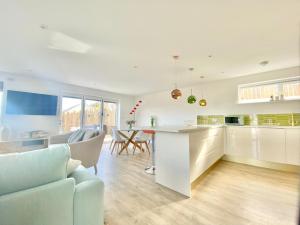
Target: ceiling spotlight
209 56
264 63
135 67
191 69
44 26
201 77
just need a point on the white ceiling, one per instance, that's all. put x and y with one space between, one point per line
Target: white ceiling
97 43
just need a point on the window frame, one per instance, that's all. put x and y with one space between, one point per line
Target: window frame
278 82
89 97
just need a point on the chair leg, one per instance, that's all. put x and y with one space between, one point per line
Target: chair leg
147 146
96 169
141 146
112 141
127 149
113 148
134 147
120 146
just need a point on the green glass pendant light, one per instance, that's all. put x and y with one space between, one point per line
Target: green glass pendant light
192 98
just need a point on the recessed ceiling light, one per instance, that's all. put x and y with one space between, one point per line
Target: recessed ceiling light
264 63
191 69
201 77
44 26
135 67
209 56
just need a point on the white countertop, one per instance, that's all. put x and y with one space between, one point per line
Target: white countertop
178 129
186 129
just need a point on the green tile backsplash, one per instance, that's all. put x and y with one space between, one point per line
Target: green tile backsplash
210 119
296 118
275 119
287 119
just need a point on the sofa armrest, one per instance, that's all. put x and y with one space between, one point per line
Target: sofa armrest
60 139
88 198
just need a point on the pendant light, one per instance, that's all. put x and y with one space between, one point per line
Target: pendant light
192 98
176 93
202 101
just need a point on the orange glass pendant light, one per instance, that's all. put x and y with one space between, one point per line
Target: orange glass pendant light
176 93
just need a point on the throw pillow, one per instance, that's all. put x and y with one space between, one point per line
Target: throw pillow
72 165
76 136
89 134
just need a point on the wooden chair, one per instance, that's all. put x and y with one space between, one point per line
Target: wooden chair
118 141
142 139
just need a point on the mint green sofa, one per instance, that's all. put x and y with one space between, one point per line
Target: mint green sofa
35 190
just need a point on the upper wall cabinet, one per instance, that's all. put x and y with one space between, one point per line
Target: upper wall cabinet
271 145
293 146
241 142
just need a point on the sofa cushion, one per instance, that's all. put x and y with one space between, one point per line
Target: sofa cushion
73 164
76 136
90 133
20 171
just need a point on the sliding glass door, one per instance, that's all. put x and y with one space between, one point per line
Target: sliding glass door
71 113
88 112
92 114
110 112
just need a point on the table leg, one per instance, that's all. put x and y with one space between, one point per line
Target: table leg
151 169
130 140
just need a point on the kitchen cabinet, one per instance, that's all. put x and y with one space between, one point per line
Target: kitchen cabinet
293 146
241 141
271 145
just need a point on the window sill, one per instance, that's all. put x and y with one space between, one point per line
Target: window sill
261 102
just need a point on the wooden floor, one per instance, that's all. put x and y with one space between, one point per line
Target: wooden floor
230 194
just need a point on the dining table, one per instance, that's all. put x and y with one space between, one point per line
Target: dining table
129 135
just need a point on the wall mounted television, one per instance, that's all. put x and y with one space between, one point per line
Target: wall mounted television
26 103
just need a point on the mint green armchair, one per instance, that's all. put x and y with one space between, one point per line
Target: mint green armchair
35 190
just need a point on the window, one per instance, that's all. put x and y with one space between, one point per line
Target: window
110 115
267 91
1 98
87 112
92 111
71 113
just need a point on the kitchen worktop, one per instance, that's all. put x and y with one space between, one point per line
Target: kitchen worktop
178 129
193 128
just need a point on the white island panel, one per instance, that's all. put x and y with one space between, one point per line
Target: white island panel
172 161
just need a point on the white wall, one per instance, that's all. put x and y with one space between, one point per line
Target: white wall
51 123
221 98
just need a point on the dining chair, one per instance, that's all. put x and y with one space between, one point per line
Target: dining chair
118 141
140 139
112 138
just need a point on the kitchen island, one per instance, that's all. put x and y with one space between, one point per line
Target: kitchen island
182 154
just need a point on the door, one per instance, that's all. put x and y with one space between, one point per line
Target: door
110 112
92 113
71 113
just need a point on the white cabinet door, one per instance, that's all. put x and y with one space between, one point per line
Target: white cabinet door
292 146
271 145
241 141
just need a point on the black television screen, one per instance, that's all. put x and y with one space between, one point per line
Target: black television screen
26 103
